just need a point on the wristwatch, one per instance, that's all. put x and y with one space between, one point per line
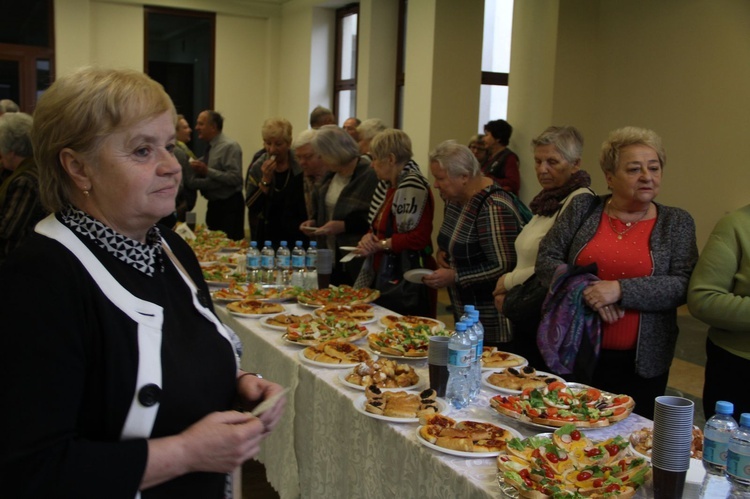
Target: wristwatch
384 244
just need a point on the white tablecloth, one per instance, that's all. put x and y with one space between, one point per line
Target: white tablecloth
324 447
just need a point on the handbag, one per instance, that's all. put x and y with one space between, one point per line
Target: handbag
396 293
525 301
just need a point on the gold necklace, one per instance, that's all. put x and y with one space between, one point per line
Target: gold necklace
629 225
288 174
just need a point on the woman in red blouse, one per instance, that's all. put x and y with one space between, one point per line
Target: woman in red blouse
403 221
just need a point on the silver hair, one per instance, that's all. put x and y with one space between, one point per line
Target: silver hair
334 145
456 159
304 138
566 139
370 128
15 134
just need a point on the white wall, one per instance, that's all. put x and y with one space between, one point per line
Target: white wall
678 67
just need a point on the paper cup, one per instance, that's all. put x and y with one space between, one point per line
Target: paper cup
325 261
673 434
437 363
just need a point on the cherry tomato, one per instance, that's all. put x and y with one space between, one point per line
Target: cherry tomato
524 473
613 449
536 453
555 385
623 464
598 482
593 452
584 475
546 491
548 472
612 487
606 469
575 435
551 457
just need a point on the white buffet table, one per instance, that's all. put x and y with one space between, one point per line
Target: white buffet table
324 447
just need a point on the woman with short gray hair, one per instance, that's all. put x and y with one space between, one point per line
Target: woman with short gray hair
343 199
475 243
20 207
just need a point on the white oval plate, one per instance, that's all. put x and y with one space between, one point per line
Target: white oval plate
342 377
347 248
359 405
255 316
487 373
416 275
459 453
304 359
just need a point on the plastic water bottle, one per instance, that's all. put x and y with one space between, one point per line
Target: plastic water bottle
298 264
479 331
267 263
473 381
253 262
459 365
738 458
311 266
283 264
467 310
716 436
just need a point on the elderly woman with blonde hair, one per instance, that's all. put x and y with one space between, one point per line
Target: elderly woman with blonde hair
644 254
274 188
401 229
476 239
119 407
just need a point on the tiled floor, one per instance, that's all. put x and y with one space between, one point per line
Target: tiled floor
685 379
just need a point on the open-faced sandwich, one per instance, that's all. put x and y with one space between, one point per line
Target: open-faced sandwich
494 358
383 373
400 404
403 340
362 312
558 404
318 331
254 307
563 466
338 295
336 352
464 436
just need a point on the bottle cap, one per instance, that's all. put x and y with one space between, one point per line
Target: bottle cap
461 326
298 243
313 243
745 419
254 244
474 314
468 308
724 407
283 244
267 243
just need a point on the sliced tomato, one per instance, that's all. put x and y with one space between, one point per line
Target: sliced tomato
556 385
584 475
575 435
598 482
612 487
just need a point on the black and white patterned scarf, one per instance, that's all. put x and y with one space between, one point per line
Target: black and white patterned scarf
145 257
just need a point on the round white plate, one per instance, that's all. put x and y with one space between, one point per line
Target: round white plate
252 316
438 325
342 377
304 359
347 248
295 343
496 369
416 275
224 300
208 264
359 405
255 316
264 322
459 453
368 321
487 373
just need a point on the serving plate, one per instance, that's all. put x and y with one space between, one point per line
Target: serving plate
473 455
359 405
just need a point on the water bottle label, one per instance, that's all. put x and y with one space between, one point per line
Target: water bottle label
253 261
480 346
266 261
298 261
283 261
715 452
310 261
738 465
459 358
